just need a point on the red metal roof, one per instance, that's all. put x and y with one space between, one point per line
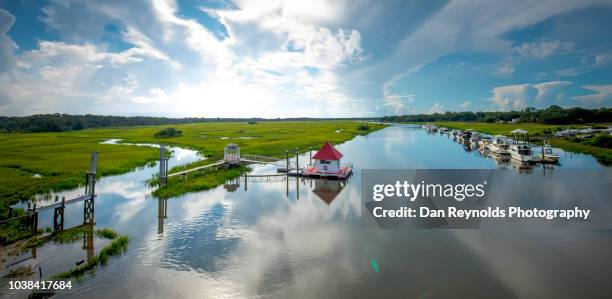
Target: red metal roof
327 152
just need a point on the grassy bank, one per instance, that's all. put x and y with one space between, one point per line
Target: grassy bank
197 181
38 162
603 155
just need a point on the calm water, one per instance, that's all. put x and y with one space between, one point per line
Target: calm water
304 238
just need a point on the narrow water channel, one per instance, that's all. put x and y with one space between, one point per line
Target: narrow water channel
304 238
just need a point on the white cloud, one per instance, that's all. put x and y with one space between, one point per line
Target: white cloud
513 97
547 92
437 108
7 56
467 25
596 61
465 105
602 94
519 96
543 48
505 70
280 58
177 67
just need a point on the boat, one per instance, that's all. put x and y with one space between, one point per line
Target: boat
521 152
464 137
474 139
547 153
500 145
485 141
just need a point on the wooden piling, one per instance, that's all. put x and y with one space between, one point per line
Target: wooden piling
297 160
246 179
310 151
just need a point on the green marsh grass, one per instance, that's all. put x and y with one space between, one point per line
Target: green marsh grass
61 159
198 181
115 248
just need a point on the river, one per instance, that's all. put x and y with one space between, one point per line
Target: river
303 238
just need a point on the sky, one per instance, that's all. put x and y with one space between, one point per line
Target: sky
317 58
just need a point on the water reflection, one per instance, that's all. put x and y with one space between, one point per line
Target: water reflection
303 238
328 190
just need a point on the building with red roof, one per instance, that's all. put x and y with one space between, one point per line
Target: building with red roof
327 163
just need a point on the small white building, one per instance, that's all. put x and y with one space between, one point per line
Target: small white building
327 164
327 159
231 154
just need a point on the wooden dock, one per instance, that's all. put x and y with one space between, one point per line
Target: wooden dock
66 202
184 172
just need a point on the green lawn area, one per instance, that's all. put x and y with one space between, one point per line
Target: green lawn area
63 158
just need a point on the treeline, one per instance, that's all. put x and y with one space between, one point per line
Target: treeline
66 122
551 115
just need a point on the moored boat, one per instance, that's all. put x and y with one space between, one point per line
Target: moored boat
500 145
474 139
521 152
485 141
547 153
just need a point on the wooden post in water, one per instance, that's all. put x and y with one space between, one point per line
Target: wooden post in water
162 208
89 203
297 161
88 242
287 176
246 179
33 218
287 154
297 173
310 151
163 171
58 217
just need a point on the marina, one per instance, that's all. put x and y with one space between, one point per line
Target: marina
499 147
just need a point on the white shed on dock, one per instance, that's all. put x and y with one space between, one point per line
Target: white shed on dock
231 154
327 159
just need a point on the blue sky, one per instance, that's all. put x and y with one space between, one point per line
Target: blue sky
275 58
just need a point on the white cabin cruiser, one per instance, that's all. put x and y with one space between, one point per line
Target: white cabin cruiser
485 141
474 139
547 153
521 152
500 145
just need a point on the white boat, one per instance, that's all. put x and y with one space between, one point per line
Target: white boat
500 145
474 139
547 153
485 141
521 152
